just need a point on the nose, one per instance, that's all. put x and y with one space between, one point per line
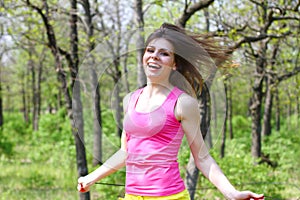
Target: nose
154 55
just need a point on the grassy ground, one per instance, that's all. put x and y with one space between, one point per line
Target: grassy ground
36 181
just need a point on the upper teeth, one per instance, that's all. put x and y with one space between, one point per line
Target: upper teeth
153 66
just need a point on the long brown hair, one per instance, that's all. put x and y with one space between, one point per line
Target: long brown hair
196 56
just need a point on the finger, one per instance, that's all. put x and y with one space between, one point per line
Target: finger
258 198
81 188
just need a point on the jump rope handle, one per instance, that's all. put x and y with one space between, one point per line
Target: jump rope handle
81 188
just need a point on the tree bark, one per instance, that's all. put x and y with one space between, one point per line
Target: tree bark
256 101
1 91
277 113
255 109
229 118
270 83
223 141
95 87
117 103
25 103
78 122
1 98
31 66
266 128
140 43
191 9
36 86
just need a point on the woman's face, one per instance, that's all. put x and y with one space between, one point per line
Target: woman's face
158 59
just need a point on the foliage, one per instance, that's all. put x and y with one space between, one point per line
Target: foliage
13 132
244 172
43 162
6 146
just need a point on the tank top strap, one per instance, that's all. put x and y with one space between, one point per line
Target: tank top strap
177 92
133 99
171 100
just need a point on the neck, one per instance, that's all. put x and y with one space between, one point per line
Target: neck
154 88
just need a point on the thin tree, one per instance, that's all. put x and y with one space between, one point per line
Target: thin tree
140 42
1 92
95 86
73 105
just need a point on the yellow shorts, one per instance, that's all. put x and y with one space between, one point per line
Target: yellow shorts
184 195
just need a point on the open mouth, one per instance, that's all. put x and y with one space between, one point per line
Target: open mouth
154 66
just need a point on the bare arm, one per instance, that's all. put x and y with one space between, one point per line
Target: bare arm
113 164
187 111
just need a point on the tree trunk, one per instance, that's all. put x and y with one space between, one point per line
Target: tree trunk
277 114
256 119
1 99
223 141
256 101
288 108
24 98
97 146
266 128
95 87
78 133
1 91
229 117
297 110
76 103
34 99
36 87
140 43
117 105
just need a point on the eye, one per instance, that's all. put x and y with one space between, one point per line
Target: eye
165 54
149 50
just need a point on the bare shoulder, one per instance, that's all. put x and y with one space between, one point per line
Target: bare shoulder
187 106
187 102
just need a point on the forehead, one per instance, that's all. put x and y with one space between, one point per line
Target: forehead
161 43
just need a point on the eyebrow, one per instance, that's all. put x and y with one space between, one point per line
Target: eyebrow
160 48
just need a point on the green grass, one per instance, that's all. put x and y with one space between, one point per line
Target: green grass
25 180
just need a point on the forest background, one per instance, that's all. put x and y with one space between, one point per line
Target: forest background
66 65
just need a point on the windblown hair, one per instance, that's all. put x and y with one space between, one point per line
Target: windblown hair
196 56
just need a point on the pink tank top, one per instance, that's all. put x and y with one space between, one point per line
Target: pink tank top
153 142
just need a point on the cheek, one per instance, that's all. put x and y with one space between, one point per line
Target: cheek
145 57
170 62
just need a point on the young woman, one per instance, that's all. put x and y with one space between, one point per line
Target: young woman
158 115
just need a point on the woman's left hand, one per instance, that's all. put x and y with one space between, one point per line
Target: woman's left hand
247 195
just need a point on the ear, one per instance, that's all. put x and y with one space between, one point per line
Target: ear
174 67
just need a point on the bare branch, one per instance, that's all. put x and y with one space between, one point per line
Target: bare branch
295 71
190 10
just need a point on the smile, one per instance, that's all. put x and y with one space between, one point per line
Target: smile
154 66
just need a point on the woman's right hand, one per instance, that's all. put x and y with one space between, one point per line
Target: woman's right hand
82 185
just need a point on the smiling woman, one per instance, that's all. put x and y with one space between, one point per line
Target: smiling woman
157 117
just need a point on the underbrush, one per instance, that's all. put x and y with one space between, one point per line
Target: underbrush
42 165
280 181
